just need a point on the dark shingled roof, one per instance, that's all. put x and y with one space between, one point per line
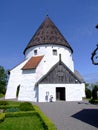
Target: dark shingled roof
60 73
79 76
48 33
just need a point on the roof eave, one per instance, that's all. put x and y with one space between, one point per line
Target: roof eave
48 44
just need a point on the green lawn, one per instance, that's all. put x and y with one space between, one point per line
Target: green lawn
22 123
16 118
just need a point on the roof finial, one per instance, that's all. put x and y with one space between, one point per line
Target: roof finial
59 57
46 12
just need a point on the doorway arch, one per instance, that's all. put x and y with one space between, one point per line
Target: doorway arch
17 91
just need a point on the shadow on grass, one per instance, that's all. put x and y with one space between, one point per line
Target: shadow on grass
89 116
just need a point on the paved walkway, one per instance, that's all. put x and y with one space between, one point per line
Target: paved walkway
72 115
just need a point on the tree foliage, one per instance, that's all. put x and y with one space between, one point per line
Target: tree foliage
3 79
88 93
94 92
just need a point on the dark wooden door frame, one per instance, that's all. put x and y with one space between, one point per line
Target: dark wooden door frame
60 93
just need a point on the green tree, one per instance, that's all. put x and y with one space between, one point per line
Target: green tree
94 92
3 80
88 93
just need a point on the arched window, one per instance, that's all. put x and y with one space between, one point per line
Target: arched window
35 52
17 92
54 52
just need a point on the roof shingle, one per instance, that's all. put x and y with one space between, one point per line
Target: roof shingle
59 73
48 33
32 63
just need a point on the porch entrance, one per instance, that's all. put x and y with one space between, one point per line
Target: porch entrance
60 93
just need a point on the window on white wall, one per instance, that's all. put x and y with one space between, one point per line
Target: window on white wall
54 52
35 52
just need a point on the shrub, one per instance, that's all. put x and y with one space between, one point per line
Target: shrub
94 93
12 109
47 123
1 95
93 101
4 103
26 106
20 114
7 106
2 117
88 93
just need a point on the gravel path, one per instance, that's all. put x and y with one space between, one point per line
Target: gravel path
72 115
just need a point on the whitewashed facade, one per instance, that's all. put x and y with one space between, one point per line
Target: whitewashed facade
24 81
72 92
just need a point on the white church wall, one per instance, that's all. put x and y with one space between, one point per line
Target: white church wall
73 92
27 89
14 81
27 93
45 91
51 59
28 78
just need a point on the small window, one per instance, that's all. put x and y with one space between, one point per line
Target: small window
60 78
17 92
35 52
54 52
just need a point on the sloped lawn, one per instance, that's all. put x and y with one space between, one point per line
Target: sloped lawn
22 123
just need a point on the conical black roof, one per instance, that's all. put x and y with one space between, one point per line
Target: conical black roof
48 33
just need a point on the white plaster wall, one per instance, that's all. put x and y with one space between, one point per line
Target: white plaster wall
14 81
28 78
49 58
42 89
27 93
74 92
27 89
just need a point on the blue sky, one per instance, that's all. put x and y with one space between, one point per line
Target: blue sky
76 20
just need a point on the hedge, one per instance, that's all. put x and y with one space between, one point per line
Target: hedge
2 117
26 106
93 101
4 103
21 113
8 106
48 123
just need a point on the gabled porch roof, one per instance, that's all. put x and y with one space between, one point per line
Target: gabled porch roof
59 74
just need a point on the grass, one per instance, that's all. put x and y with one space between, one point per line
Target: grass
49 124
22 123
23 120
